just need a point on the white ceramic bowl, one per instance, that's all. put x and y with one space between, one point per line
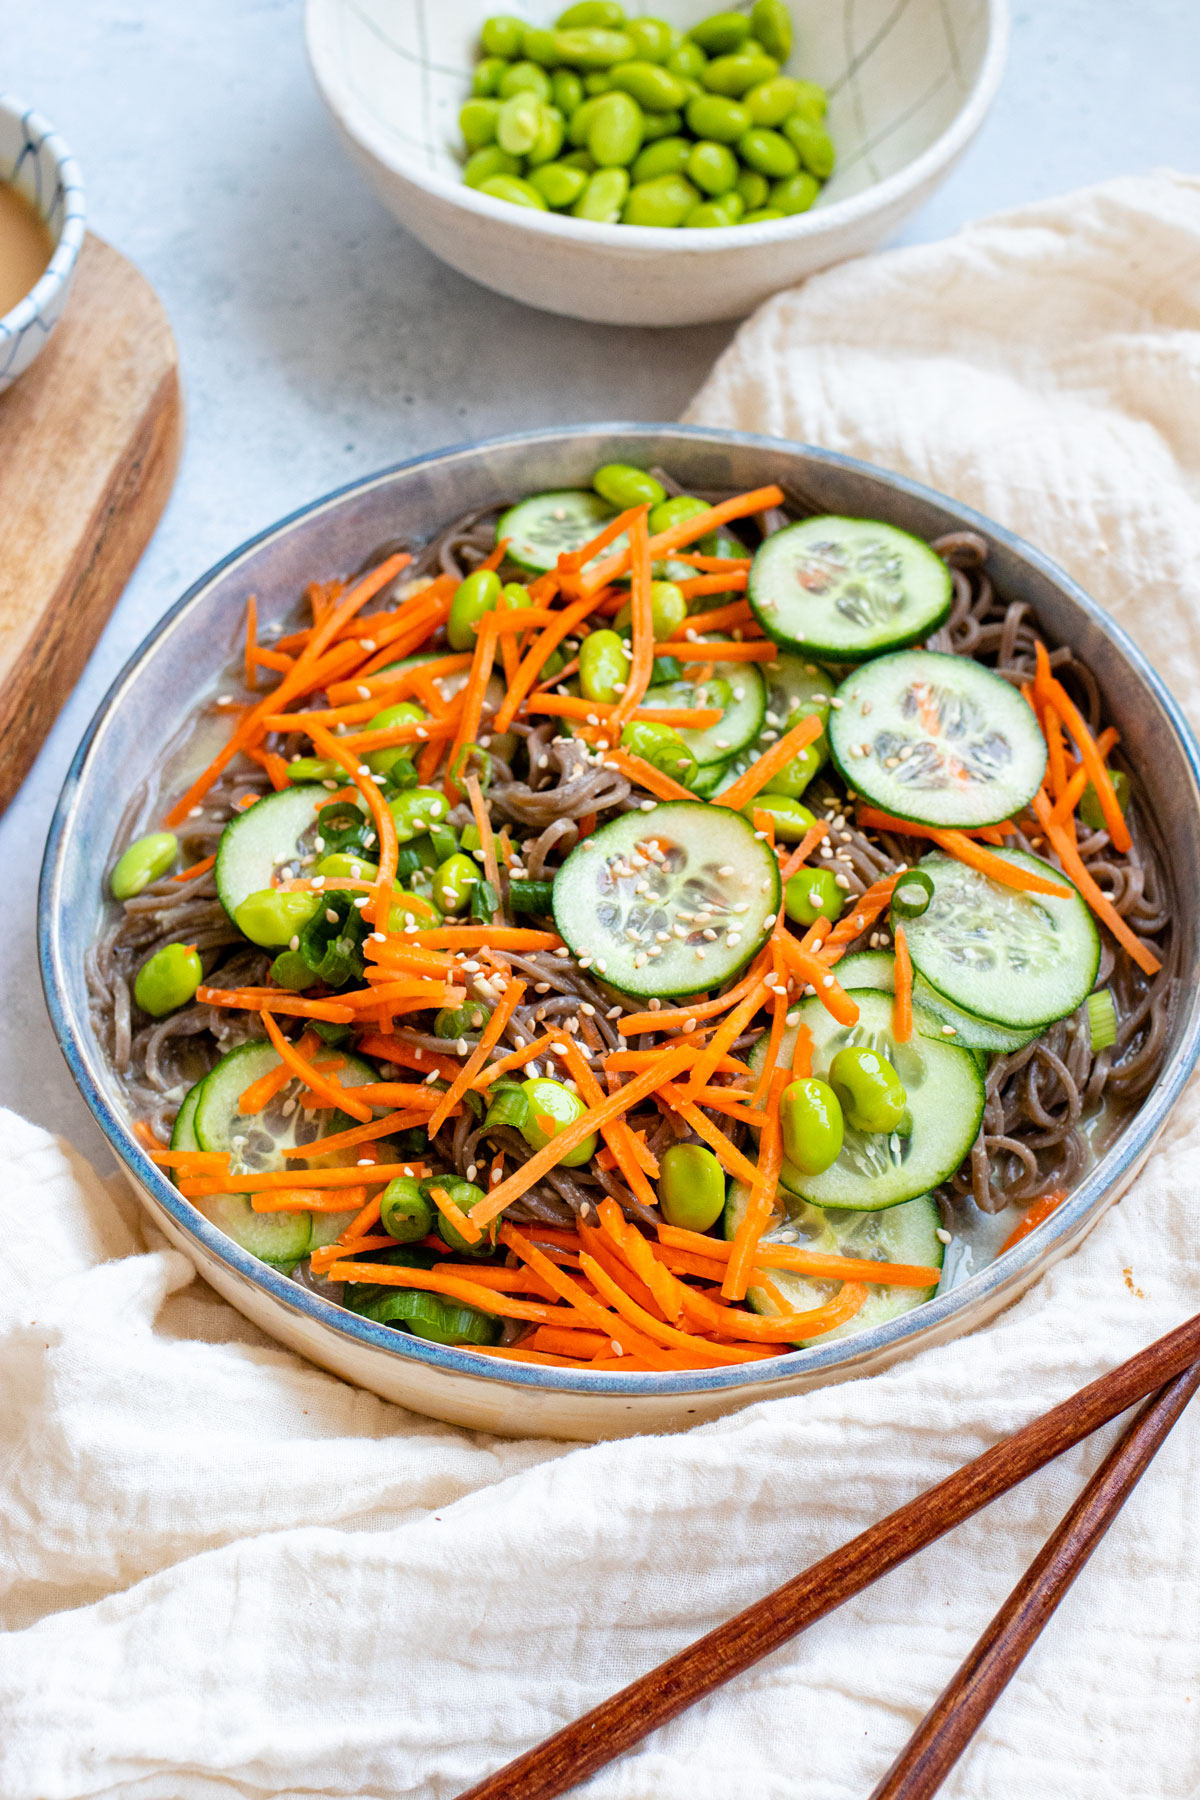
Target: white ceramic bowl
184 659
910 82
34 160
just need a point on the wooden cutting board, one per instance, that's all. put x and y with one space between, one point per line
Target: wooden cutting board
89 443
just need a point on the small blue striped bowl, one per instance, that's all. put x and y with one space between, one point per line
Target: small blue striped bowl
36 161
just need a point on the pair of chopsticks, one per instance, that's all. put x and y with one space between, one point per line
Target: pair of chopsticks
1169 1365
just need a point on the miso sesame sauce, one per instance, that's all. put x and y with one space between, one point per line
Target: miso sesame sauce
25 247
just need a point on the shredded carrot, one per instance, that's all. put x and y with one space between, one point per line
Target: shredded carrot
381 818
599 712
1064 807
531 663
875 820
200 868
407 1056
902 1014
815 971
758 775
516 1059
454 1287
455 1216
491 1034
589 1310
145 1136
641 667
802 1054
730 1158
1103 908
1037 1215
473 696
725 1036
1055 695
361 1134
714 565
741 506
260 1093
617 1135
765 822
762 1196
310 1075
623 1303
251 674
820 1264
483 824
865 911
647 776
303 1199
571 561
567 1340
783 1328
466 937
594 1119
334 1012
733 581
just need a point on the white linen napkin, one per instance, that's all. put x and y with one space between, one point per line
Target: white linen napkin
224 1573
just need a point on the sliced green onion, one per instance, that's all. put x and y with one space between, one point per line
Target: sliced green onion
912 894
461 765
485 902
509 1106
444 839
457 1021
531 896
1102 1020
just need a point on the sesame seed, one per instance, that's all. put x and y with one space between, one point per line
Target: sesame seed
329 784
725 869
364 693
194 812
648 805
364 1162
942 1235
330 915
431 1078
614 1012
949 1031
841 881
377 937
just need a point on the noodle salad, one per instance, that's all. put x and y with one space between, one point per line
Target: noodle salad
636 930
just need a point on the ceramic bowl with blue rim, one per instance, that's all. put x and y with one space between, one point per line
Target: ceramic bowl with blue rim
185 660
36 161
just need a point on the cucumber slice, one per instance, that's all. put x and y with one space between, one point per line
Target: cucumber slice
945 1101
877 969
1016 959
257 1143
260 840
847 589
183 1133
640 919
939 739
541 528
743 711
901 1234
707 781
795 689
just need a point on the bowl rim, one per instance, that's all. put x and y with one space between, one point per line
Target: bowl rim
819 222
59 269
1067 1224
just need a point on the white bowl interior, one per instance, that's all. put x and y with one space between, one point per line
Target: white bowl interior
898 72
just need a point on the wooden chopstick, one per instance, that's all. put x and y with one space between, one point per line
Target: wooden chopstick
955 1716
579 1749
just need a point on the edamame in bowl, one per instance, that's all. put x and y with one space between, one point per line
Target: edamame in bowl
722 155
631 942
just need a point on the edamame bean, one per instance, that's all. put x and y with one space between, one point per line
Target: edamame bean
769 152
656 126
761 216
579 159
404 1211
653 87
664 202
792 820
771 101
314 768
143 862
406 712
614 134
566 91
408 909
812 102
714 116
669 156
416 810
473 597
289 970
607 14
753 188
487 75
713 167
523 78
599 81
662 747
623 485
551 1107
687 59
501 35
722 32
603 197
675 510
810 1114
453 881
795 194
603 666
168 979
343 865
518 122
274 916
813 894
592 49
812 143
654 38
795 775
737 74
581 118
559 186
872 1095
691 1187
771 23
466 1196
539 46
487 163
668 610
549 140
715 214
477 122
